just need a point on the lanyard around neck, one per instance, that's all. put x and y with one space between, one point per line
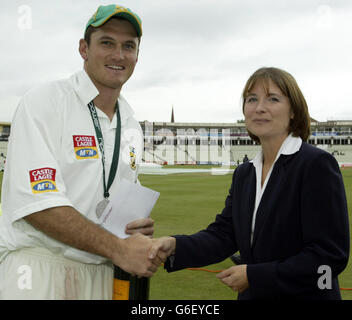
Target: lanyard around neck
99 134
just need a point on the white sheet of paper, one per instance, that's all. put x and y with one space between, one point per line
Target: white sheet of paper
129 202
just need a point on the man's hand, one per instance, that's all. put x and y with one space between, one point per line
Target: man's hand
144 226
161 249
67 225
235 277
132 255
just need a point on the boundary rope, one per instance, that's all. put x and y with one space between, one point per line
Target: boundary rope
217 271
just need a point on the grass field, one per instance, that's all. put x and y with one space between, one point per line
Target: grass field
188 203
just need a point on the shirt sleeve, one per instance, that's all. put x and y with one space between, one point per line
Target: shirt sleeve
32 179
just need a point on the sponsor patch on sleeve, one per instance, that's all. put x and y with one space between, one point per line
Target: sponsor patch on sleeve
85 147
133 158
43 180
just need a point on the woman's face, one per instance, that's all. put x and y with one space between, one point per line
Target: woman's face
267 113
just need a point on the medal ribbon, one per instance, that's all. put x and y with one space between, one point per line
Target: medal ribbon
99 134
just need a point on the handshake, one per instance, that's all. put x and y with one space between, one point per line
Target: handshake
141 256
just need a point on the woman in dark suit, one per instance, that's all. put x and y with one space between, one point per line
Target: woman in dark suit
286 211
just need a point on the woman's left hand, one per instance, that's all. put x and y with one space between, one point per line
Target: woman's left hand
235 277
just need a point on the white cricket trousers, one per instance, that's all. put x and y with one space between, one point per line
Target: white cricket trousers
38 274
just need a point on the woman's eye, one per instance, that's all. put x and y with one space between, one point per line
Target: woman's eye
251 99
274 99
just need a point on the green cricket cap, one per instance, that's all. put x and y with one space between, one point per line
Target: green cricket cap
105 13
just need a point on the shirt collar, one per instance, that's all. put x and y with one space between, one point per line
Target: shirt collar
125 112
125 109
87 91
290 146
84 86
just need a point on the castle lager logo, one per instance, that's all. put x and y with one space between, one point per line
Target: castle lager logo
43 180
85 147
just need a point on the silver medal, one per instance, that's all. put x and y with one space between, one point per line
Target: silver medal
101 207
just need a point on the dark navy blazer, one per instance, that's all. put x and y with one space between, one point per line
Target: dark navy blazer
301 224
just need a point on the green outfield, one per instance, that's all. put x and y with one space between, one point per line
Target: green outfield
187 203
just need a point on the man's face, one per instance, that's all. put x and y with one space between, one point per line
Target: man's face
111 55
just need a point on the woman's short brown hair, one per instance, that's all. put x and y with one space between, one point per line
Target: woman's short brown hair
300 124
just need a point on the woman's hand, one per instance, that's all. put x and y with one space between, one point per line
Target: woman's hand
161 249
235 277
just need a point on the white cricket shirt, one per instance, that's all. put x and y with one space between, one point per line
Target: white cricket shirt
54 160
290 146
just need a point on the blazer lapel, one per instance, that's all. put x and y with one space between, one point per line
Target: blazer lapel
247 201
270 195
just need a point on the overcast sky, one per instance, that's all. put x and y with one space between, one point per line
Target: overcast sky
194 55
